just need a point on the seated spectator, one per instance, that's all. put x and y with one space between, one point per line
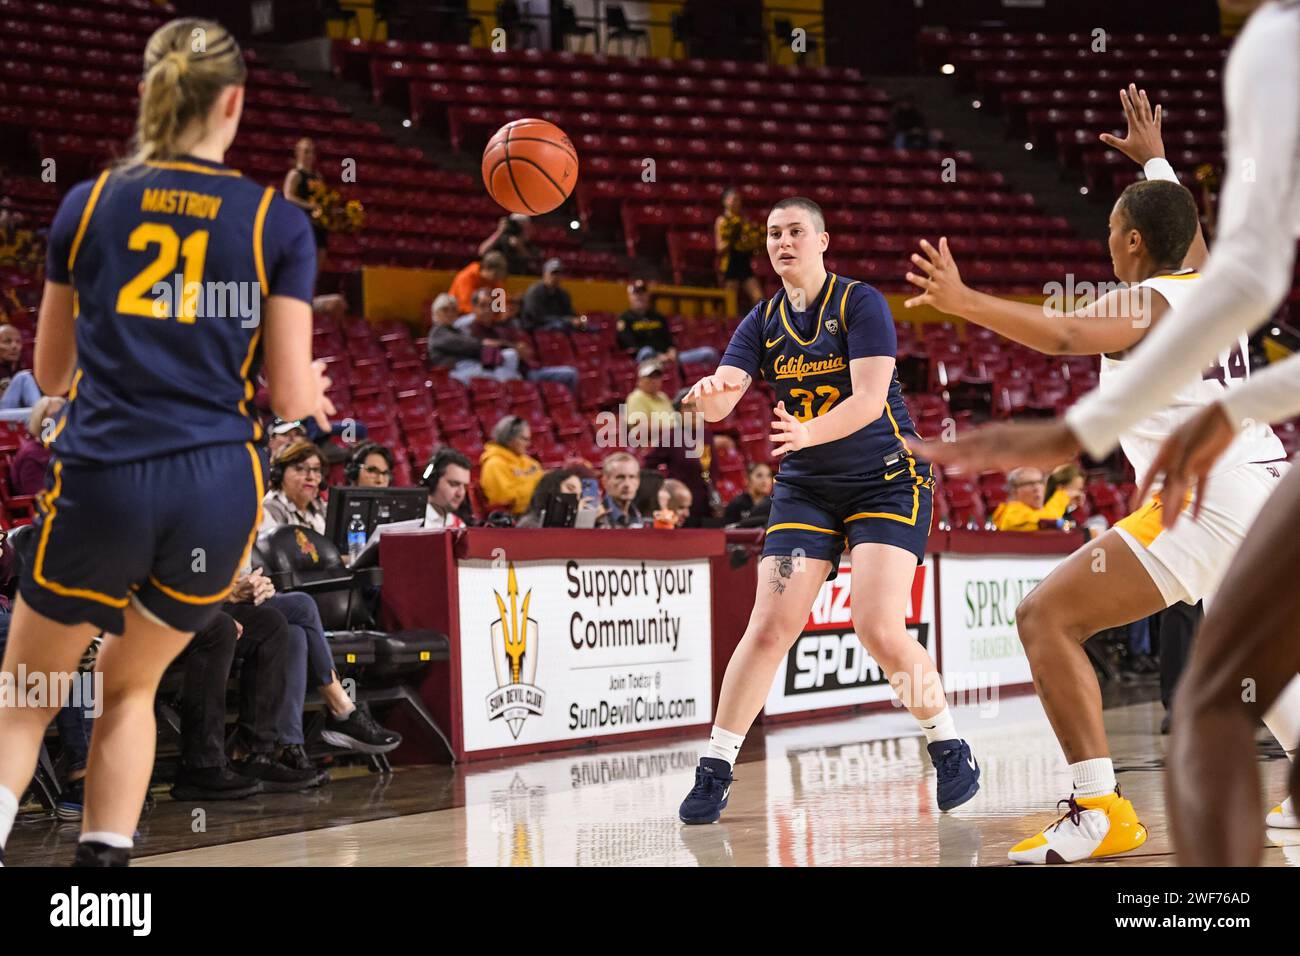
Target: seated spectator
547 304
20 397
758 491
1069 477
648 404
910 130
507 473
683 453
11 355
1025 508
489 325
269 660
27 470
557 481
294 498
468 355
370 466
346 725
679 501
447 477
513 239
644 333
281 434
489 273
621 478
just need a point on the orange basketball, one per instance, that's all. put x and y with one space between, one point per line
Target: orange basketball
530 166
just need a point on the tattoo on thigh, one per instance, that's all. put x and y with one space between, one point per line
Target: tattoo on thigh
782 571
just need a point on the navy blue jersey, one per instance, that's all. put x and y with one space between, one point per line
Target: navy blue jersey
806 355
170 265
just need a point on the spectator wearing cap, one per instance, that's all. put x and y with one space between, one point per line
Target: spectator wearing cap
648 402
282 434
547 304
490 272
1025 508
644 333
447 476
467 354
507 473
487 324
513 239
294 498
27 470
620 476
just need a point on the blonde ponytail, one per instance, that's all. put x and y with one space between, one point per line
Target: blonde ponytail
187 63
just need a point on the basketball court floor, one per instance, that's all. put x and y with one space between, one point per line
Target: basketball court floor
851 791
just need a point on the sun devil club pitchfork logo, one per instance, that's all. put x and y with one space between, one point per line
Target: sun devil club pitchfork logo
514 655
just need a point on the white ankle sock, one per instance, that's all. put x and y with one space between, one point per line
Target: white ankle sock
724 745
939 727
108 839
1283 718
8 810
1093 778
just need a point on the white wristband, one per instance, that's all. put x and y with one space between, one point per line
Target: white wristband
1159 168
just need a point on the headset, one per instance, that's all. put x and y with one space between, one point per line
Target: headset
275 469
352 470
437 467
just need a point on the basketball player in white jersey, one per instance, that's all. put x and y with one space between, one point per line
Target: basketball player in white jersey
1138 567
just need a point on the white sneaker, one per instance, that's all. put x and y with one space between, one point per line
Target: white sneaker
1283 816
1091 827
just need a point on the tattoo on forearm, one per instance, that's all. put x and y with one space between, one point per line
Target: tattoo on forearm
782 571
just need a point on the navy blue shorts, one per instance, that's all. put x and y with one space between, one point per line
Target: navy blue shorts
819 517
170 533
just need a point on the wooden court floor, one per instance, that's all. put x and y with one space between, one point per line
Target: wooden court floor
848 792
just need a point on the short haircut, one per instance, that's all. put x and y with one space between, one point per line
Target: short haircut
508 429
1016 475
675 487
494 261
807 205
441 460
294 453
1166 216
444 300
617 458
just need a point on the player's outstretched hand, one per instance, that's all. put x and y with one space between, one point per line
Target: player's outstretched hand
709 386
1038 444
1142 141
788 433
1183 464
324 407
940 282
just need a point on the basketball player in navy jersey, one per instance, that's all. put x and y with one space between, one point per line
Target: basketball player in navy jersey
153 493
847 479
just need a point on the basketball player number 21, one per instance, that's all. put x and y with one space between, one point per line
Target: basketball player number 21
831 393
132 299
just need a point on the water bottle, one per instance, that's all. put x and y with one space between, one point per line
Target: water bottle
356 537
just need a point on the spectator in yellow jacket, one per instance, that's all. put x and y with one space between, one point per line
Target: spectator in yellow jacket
508 473
1025 508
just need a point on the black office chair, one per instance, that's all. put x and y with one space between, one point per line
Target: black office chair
783 33
333 10
516 24
384 665
618 28
566 25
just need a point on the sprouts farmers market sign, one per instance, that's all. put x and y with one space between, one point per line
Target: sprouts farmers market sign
977 606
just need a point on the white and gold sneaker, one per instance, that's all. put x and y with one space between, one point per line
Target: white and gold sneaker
1283 816
1092 827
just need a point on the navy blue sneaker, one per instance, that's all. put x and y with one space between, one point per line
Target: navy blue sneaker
71 802
708 798
959 774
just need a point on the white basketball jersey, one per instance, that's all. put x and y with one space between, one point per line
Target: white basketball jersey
1141 442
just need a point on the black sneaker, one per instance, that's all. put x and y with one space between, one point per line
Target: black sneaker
72 801
213 783
295 756
276 777
358 731
100 854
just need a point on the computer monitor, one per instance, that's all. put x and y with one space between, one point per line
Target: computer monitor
376 506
